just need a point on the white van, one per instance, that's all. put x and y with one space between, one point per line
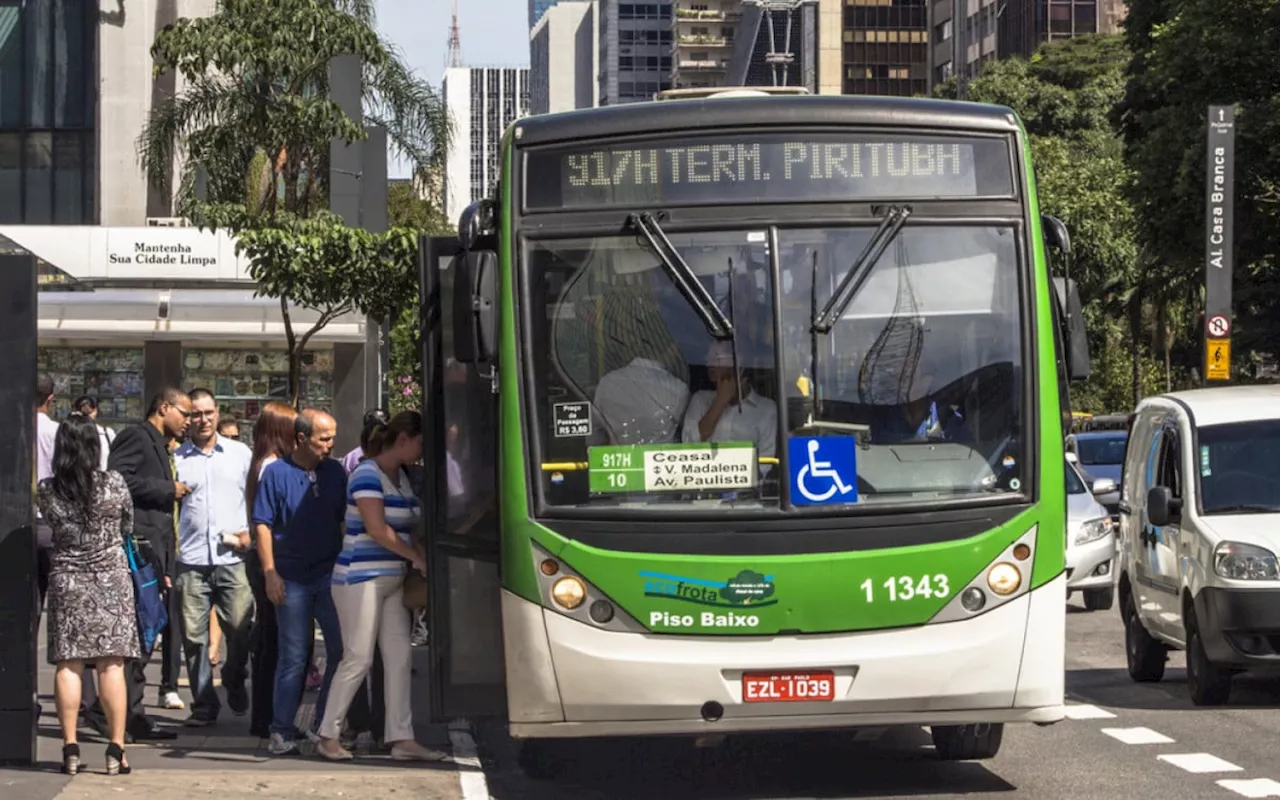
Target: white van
1199 533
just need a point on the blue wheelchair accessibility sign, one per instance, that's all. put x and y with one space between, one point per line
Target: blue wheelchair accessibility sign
823 470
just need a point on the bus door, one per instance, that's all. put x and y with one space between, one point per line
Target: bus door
459 454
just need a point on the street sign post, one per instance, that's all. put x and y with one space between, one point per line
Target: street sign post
1219 221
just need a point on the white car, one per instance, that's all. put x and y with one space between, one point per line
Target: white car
1091 541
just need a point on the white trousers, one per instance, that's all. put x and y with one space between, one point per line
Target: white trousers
372 614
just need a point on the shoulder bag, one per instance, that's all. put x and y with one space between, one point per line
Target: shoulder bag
153 615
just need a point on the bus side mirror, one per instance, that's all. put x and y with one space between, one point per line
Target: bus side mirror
475 319
1067 299
1055 234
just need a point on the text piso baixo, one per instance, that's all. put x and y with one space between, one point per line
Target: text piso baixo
707 619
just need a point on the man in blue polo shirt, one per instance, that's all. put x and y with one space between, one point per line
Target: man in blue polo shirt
297 517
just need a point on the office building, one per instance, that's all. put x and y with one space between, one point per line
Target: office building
564 59
483 102
635 50
961 49
132 299
885 47
1027 25
737 43
537 8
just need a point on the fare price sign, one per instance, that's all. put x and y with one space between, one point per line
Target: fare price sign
672 467
762 168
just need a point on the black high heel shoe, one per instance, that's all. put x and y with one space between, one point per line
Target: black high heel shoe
71 758
115 760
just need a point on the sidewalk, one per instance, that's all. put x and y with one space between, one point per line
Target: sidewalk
222 757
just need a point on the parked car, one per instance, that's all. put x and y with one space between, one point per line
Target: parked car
1091 542
1100 454
1199 534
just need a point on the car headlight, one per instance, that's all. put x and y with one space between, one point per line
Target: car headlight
1245 562
1093 530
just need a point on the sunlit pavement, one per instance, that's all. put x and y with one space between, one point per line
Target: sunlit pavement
1124 741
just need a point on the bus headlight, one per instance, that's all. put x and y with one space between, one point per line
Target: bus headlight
569 592
1245 562
1004 578
1093 530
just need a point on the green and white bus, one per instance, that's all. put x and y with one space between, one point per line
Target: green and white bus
748 416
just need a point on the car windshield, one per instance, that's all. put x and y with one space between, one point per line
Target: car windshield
1239 471
1074 484
1101 450
912 396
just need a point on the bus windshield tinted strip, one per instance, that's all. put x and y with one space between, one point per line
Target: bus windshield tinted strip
762 168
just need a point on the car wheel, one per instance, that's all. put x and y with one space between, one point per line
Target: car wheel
1099 599
1144 656
1207 684
967 742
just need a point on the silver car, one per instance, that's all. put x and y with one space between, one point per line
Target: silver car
1091 541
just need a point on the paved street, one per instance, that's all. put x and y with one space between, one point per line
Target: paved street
1126 741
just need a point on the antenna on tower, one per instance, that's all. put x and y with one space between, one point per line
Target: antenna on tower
455 39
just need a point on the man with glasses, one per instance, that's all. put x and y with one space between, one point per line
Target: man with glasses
142 456
213 537
297 517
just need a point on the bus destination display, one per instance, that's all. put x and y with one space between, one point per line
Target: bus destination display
768 168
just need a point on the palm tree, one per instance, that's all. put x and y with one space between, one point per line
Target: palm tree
254 111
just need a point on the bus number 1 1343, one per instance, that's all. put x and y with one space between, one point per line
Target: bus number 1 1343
906 587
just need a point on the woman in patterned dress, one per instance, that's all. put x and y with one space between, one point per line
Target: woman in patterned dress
92 617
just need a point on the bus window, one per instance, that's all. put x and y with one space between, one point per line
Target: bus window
621 340
926 352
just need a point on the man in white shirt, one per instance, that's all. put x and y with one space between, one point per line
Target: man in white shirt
642 403
717 415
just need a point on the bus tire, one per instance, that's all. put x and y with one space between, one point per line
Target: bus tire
967 742
541 760
1099 599
1144 656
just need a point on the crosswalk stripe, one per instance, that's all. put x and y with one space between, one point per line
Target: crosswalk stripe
1199 762
1137 736
1083 711
1255 788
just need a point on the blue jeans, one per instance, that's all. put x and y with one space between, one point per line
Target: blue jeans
303 602
224 591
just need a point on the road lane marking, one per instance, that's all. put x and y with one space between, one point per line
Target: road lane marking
1087 712
1137 736
1258 787
1200 762
470 771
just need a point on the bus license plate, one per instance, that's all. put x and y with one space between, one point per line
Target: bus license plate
788 687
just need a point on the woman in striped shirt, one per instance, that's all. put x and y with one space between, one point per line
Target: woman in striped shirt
368 587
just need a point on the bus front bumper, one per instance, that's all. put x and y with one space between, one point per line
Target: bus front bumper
568 679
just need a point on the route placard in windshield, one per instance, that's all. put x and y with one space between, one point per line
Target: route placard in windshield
672 467
762 168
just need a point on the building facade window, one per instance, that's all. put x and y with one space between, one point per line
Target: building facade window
48 83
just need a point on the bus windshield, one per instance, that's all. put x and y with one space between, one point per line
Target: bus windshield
638 405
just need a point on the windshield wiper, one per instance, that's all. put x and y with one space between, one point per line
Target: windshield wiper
1245 508
890 224
717 324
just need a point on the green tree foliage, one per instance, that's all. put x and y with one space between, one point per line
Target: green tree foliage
410 211
1187 55
255 114
1065 96
318 263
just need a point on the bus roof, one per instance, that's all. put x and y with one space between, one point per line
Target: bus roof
659 117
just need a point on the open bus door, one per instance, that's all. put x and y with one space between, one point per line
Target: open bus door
460 458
